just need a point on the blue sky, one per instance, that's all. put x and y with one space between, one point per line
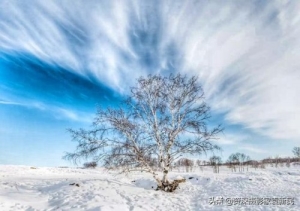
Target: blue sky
59 60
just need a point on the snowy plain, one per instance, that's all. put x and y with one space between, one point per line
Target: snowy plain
48 188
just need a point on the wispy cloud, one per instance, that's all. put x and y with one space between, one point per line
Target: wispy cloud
55 111
246 55
3 102
247 59
253 149
230 138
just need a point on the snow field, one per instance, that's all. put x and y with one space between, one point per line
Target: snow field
48 188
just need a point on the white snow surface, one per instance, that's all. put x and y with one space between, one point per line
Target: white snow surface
48 188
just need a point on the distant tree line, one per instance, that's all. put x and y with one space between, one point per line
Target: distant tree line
237 162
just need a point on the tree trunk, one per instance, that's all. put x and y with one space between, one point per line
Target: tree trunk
165 176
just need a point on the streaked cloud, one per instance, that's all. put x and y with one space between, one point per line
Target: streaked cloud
10 103
252 149
246 55
230 138
55 111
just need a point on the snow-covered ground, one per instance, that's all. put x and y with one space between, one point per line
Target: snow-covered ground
24 188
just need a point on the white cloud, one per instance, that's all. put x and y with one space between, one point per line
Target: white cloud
56 111
3 102
247 59
229 138
246 55
253 149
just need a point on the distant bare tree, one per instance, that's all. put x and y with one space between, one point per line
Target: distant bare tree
271 162
238 159
281 161
199 164
164 117
177 166
288 162
186 163
247 161
276 160
255 164
242 158
191 165
215 162
296 151
233 161
262 166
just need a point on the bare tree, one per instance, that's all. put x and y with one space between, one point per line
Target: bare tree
241 158
288 162
215 162
190 165
296 151
247 160
255 164
199 164
281 161
238 159
187 163
276 160
233 161
269 161
164 117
